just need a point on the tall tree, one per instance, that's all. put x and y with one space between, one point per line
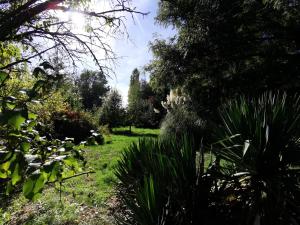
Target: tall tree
141 103
134 95
93 88
112 112
227 47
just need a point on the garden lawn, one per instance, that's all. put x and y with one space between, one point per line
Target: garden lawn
85 199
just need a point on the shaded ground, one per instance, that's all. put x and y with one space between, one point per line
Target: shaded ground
86 199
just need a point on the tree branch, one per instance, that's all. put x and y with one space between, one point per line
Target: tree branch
27 59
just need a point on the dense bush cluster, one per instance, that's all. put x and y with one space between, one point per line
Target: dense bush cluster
180 122
181 119
72 124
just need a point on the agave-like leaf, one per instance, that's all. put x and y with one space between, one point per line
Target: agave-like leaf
267 148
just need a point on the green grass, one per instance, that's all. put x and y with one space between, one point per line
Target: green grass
85 199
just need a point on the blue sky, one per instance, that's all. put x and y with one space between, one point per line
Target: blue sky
135 51
132 51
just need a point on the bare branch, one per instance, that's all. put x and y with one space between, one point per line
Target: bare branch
27 59
33 23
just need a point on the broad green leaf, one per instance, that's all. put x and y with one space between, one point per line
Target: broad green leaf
25 146
10 105
28 188
3 76
73 163
13 118
16 176
34 185
16 121
5 166
52 168
39 184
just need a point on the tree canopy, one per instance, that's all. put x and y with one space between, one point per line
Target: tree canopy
227 47
134 92
112 112
93 88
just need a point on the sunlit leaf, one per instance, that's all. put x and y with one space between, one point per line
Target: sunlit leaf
15 119
25 146
28 188
34 185
16 176
246 146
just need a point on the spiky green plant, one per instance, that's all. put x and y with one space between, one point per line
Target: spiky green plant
160 182
259 141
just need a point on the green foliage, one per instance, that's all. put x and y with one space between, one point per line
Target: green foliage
8 53
259 140
224 48
180 122
85 198
254 179
72 124
145 115
95 138
181 119
160 183
71 94
141 101
50 104
134 96
112 112
92 88
27 158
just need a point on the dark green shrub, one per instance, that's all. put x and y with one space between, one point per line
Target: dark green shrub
95 138
255 179
160 183
145 117
259 142
72 124
182 121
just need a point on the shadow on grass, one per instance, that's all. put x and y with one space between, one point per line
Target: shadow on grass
133 134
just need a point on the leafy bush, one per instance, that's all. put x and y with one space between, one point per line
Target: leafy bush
95 138
180 119
72 124
29 160
52 103
145 116
180 122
